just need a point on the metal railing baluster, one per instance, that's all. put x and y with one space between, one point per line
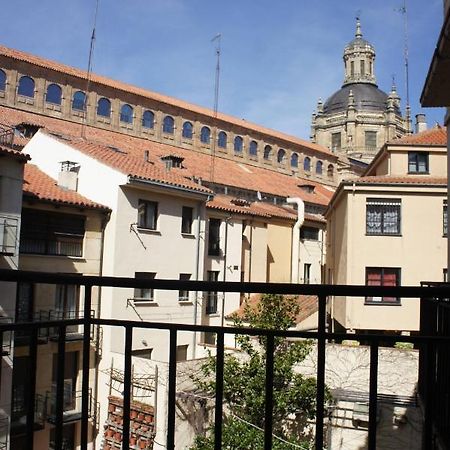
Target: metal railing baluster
320 394
373 393
127 388
268 417
172 389
219 392
31 388
59 406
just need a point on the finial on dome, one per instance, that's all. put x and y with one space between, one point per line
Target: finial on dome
358 33
394 86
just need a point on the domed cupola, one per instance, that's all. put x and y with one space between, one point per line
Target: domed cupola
359 58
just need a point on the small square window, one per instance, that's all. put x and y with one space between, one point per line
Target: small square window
186 220
382 276
383 216
144 294
418 162
183 295
147 214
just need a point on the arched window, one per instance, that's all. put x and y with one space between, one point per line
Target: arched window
187 130
330 171
267 152
104 107
126 114
205 135
253 149
168 125
148 119
2 80
307 164
238 144
222 140
294 160
319 167
54 94
79 101
281 157
26 87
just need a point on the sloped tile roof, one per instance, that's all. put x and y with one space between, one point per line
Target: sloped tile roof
62 68
434 136
39 186
130 156
228 204
308 304
407 179
14 153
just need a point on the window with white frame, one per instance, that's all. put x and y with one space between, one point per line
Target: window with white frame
147 214
383 216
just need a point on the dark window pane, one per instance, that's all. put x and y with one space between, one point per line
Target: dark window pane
147 214
186 220
319 167
104 107
222 139
281 156
382 276
183 295
309 233
238 144
148 119
307 164
383 216
79 101
205 135
214 237
144 293
267 152
418 162
54 94
26 87
211 296
187 130
2 80
168 125
126 114
336 142
253 150
294 160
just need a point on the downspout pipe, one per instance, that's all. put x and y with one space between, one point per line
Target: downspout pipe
296 236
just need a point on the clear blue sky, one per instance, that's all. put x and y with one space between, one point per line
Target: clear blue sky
278 58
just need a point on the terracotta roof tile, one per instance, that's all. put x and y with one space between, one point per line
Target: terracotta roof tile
407 179
62 68
39 186
14 153
261 209
195 164
308 306
434 136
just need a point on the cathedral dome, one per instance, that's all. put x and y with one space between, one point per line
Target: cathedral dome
367 97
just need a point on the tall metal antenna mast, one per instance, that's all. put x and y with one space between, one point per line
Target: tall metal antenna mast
217 40
89 71
404 11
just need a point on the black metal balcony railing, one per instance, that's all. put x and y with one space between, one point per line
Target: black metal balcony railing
433 342
72 402
62 245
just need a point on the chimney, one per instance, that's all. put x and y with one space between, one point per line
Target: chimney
68 177
421 123
146 155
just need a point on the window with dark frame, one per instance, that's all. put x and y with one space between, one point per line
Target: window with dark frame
53 94
187 130
383 216
168 125
79 101
148 119
306 273
2 80
214 237
147 214
186 219
205 135
309 233
382 276
211 296
144 294
183 294
418 162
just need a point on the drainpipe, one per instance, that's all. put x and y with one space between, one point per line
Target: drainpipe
296 236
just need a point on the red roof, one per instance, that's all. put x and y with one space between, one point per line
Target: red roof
308 306
16 154
62 68
129 158
39 186
407 179
434 136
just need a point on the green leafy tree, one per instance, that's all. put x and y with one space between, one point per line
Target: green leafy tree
294 395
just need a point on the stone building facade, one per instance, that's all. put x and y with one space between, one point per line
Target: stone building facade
45 87
359 118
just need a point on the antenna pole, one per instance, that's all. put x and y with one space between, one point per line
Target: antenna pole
216 39
404 11
89 71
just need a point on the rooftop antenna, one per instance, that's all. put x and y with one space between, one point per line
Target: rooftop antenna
217 40
89 72
404 11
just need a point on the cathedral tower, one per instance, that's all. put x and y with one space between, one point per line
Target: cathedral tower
359 118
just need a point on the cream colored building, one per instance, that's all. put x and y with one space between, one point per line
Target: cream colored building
389 228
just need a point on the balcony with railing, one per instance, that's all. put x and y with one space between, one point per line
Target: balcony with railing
432 343
8 235
20 412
